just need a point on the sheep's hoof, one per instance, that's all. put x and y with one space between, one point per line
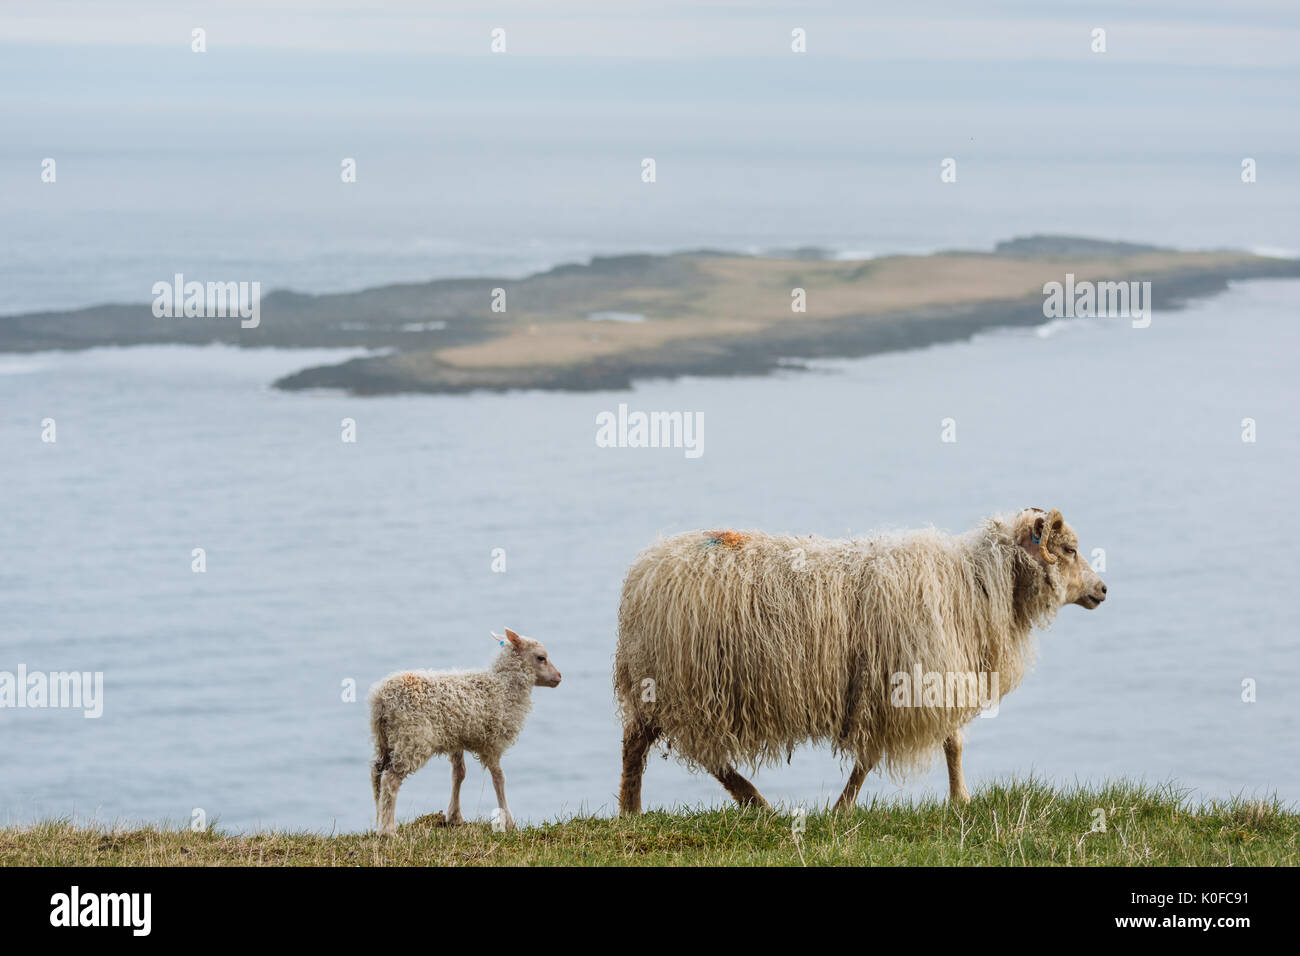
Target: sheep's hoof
960 799
456 821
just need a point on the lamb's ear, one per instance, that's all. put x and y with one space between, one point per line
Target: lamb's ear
498 638
515 639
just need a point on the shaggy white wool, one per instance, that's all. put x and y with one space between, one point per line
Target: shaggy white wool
415 715
757 643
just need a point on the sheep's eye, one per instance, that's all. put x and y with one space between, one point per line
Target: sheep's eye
541 658
1069 551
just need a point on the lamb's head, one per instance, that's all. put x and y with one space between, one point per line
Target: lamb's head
1054 545
533 658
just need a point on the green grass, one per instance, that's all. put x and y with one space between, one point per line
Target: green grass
1016 824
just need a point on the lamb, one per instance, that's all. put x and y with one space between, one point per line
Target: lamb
416 714
740 646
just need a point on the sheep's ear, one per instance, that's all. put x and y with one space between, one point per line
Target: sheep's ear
515 639
1044 529
1039 532
1031 535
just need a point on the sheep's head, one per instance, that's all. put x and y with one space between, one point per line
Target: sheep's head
534 657
1053 544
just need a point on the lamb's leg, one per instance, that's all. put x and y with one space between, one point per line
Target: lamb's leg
957 792
637 739
457 778
499 784
388 787
377 767
740 789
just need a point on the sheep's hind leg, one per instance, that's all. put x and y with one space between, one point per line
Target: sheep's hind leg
861 767
457 778
744 792
850 795
957 792
388 787
637 739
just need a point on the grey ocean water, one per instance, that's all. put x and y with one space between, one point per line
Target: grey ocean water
329 562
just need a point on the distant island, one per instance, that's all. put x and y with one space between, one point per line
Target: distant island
621 319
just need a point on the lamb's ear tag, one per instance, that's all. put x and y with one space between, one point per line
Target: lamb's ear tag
498 638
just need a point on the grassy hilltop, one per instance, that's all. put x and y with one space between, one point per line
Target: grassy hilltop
1019 824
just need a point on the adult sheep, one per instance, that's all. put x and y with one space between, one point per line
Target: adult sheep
736 647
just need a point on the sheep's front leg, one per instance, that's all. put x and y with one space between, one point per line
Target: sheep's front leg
457 778
388 787
957 792
499 784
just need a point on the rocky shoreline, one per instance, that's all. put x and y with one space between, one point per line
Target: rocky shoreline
619 320
760 354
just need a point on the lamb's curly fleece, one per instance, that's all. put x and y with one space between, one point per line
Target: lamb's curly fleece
415 715
757 643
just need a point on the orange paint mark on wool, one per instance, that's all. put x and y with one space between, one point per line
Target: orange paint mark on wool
730 539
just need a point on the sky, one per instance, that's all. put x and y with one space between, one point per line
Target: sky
1193 32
